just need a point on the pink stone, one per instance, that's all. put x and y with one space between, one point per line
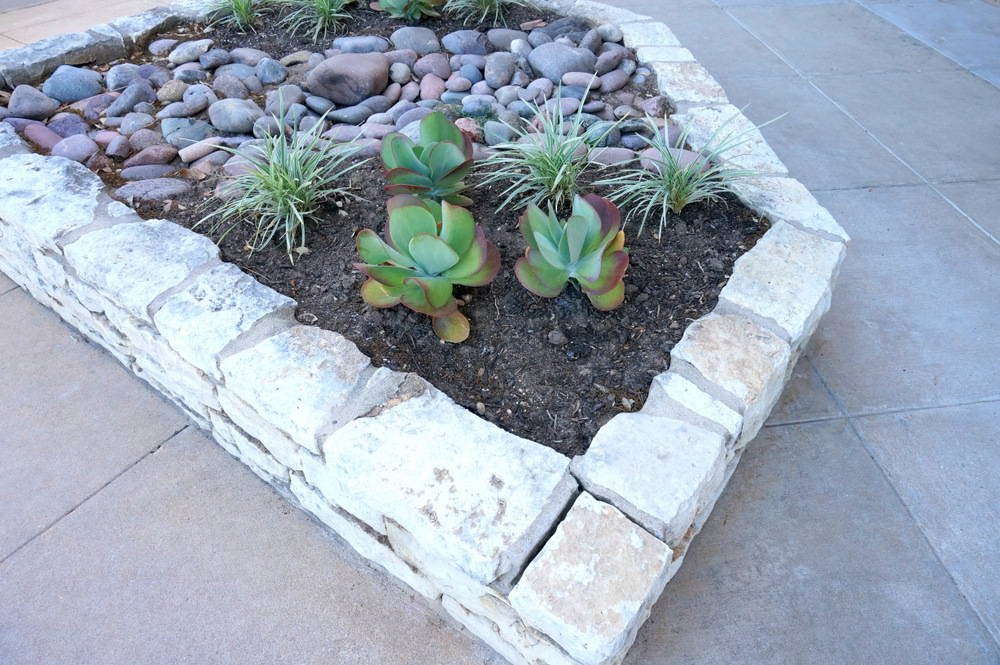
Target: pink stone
162 153
432 87
42 136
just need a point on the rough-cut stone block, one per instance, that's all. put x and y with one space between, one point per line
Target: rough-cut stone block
468 491
787 278
750 150
592 585
363 542
134 263
673 396
44 198
687 84
241 446
197 11
136 30
10 142
658 471
788 200
647 55
307 382
276 442
28 64
214 310
647 33
599 12
740 357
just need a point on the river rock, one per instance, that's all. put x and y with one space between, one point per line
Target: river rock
27 102
189 51
147 172
399 73
564 26
248 56
591 41
180 132
419 40
230 87
155 189
144 138
236 116
432 87
70 84
404 56
215 57
41 136
186 109
458 84
466 41
79 148
318 104
351 115
270 71
198 150
536 38
161 47
500 38
553 60
69 124
237 69
171 91
350 78
133 122
613 81
121 75
154 154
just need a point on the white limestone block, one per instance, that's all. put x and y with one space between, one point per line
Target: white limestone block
469 492
238 444
275 442
132 264
44 198
10 142
592 585
599 12
647 55
740 357
658 471
675 388
219 306
687 84
364 543
307 382
788 200
647 33
714 125
787 278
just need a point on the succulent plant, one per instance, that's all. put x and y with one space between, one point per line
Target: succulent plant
410 9
588 248
428 248
433 169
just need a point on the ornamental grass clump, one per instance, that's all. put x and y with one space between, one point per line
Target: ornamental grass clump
544 161
480 11
316 17
433 169
428 248
237 13
286 180
588 250
679 177
412 10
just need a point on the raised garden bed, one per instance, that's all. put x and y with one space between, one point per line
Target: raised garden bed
460 510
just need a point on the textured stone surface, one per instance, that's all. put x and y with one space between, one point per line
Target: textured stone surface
215 309
350 78
744 360
306 381
10 143
687 84
673 396
787 278
467 491
658 471
46 197
593 583
134 263
647 33
788 200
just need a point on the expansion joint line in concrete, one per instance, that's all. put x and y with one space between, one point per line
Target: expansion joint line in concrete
90 496
851 116
852 424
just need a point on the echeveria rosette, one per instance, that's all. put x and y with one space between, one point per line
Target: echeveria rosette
588 248
428 248
434 168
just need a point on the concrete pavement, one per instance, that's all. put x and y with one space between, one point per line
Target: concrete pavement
861 527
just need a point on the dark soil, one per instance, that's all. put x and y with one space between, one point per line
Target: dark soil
550 370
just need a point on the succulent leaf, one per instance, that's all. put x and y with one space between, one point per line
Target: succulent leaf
435 167
405 223
375 295
432 254
608 301
452 328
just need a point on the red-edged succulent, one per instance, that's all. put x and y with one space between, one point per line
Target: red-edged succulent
588 248
432 169
428 248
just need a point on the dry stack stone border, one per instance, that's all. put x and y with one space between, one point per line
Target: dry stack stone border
549 560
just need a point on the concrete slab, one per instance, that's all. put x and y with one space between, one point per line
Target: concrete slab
990 74
71 420
6 284
914 303
728 50
187 557
810 557
978 200
804 399
945 463
821 146
966 110
839 39
967 31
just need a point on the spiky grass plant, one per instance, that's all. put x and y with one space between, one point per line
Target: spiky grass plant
480 11
287 178
678 177
316 17
238 13
543 166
